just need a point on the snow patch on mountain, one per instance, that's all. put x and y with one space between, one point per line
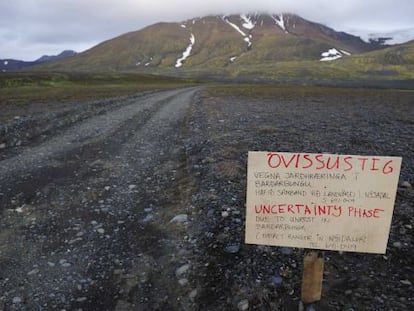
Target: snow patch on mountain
6 63
186 53
280 21
332 54
234 26
248 23
246 38
149 62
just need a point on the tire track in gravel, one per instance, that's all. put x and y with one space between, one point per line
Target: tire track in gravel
86 215
30 161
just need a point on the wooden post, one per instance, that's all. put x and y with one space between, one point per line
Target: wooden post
312 277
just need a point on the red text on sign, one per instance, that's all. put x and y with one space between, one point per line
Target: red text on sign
329 162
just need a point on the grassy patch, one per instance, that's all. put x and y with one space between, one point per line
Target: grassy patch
290 92
23 87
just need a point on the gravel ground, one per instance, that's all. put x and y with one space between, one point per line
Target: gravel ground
240 276
137 203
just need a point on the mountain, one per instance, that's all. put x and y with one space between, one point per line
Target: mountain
276 47
15 65
216 41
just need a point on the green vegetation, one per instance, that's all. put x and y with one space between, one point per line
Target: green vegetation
22 87
296 92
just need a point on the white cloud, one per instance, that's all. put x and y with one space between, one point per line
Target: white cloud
31 28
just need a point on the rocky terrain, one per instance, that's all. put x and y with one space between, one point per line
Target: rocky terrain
138 202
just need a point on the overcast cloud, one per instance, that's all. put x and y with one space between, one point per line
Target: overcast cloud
32 28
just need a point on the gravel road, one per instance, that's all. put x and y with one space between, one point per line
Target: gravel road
138 202
86 213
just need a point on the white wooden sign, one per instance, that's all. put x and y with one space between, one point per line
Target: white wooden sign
321 201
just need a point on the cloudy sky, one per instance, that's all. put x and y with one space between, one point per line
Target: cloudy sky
32 28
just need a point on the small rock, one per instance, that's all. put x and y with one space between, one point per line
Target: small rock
406 282
183 282
17 300
193 294
132 187
232 249
64 263
310 308
182 270
107 188
101 231
406 184
33 272
210 213
19 209
348 292
2 146
276 280
81 299
225 214
286 250
397 245
148 218
118 271
243 305
180 218
50 264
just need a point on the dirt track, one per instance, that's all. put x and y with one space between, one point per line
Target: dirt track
86 213
138 203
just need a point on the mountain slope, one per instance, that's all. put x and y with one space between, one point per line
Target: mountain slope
215 42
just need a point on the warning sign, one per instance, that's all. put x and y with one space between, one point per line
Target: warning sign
321 201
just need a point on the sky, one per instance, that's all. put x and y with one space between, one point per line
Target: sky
32 28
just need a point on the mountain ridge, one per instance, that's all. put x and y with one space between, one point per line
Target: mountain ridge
10 64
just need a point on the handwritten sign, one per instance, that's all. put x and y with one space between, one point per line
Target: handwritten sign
321 201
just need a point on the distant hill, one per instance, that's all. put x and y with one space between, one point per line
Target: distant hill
48 58
15 65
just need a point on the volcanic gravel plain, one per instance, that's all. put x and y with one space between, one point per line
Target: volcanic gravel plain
138 202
